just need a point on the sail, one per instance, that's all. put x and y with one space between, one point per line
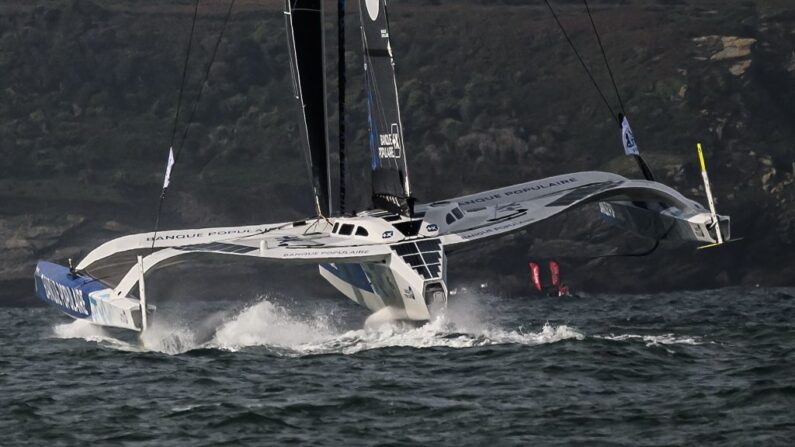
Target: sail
304 20
390 182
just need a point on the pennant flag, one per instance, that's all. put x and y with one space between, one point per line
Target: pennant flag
630 147
169 165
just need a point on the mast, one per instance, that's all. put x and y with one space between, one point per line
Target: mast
306 44
341 79
390 181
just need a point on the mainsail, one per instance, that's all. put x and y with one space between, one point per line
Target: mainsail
304 20
390 182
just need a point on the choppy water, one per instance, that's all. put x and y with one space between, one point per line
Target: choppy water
711 368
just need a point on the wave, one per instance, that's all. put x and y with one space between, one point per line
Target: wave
271 325
285 332
82 329
655 340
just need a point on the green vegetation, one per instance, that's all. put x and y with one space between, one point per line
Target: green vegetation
490 91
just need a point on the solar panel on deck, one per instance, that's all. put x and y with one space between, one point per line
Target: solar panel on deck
405 249
432 245
413 260
424 272
431 258
218 246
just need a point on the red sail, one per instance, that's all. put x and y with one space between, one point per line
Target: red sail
554 270
535 271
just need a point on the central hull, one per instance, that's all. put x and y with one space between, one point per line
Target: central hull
412 282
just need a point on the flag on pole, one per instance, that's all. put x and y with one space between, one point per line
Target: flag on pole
169 165
628 138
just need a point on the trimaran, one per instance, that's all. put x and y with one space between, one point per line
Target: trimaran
391 259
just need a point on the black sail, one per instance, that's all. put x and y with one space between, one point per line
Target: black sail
391 190
304 19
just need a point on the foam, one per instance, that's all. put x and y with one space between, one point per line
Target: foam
82 329
269 324
655 340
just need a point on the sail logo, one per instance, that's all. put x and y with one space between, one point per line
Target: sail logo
389 145
372 8
64 296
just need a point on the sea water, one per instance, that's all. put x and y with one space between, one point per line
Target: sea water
687 368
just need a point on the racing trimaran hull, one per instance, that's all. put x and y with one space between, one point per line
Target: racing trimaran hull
391 260
376 258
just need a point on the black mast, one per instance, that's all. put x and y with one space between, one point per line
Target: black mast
341 100
304 20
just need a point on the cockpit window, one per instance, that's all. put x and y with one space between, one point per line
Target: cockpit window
457 212
336 227
361 231
449 219
346 229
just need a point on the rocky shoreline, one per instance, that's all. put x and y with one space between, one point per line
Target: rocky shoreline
87 94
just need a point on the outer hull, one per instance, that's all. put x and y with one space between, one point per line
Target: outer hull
669 224
82 297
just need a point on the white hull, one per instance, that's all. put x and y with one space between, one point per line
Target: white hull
381 260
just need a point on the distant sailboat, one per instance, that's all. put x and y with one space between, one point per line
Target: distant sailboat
391 259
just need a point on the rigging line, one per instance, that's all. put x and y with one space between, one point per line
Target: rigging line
193 110
373 82
604 57
371 79
639 254
177 113
326 141
381 111
403 154
299 96
376 111
210 63
643 253
582 62
157 217
184 73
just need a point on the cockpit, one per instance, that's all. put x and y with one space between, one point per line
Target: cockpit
347 229
454 215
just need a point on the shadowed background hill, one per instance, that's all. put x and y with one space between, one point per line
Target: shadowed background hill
491 95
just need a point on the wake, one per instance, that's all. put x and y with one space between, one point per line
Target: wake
282 330
274 326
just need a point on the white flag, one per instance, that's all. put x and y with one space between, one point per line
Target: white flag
630 147
169 165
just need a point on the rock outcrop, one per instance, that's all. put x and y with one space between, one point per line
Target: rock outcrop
491 95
